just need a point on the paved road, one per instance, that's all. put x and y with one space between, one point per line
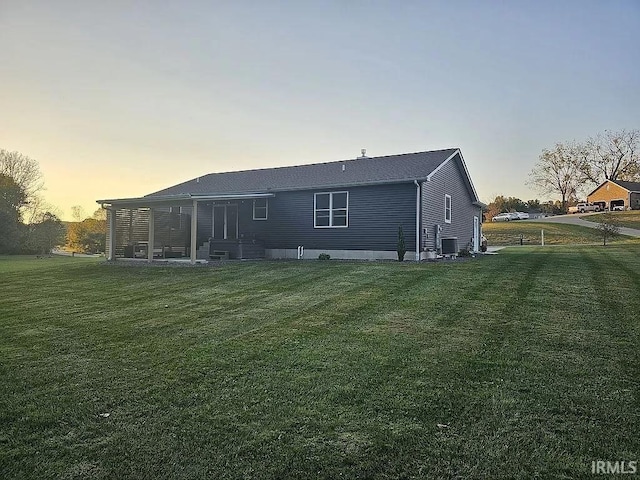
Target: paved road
576 220
64 253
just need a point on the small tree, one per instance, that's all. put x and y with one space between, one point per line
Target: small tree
12 199
608 226
45 234
402 249
88 235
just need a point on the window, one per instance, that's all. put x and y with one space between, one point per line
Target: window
331 210
447 209
260 209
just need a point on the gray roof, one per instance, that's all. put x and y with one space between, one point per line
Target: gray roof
631 186
359 171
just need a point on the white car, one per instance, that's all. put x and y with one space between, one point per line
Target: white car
503 217
618 208
522 215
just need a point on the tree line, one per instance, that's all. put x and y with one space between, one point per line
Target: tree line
513 204
571 169
28 224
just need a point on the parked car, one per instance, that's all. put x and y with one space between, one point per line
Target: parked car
503 217
619 208
584 207
522 215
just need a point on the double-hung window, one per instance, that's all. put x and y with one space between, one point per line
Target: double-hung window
447 208
260 209
331 210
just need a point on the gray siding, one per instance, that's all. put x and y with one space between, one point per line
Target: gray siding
448 181
375 212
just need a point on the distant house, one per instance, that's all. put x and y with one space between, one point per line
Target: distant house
347 209
616 194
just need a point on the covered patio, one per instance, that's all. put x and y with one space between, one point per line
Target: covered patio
180 226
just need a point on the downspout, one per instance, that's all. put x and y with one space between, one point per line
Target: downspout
417 220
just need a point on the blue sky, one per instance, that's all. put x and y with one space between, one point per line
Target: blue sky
119 99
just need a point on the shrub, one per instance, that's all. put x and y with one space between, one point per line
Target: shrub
401 246
324 256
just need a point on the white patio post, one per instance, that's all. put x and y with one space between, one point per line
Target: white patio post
111 254
151 236
194 232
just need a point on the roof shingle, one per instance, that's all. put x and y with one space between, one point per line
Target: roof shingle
631 186
359 171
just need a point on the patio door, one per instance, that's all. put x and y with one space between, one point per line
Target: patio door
476 234
225 222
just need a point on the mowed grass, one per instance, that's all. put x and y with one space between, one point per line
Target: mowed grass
516 365
630 219
508 233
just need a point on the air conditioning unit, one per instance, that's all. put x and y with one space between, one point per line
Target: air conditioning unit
450 246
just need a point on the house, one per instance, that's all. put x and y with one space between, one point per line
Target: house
347 209
616 195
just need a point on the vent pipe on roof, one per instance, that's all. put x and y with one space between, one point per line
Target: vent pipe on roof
344 167
198 180
363 152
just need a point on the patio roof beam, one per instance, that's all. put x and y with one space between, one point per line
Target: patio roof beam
176 200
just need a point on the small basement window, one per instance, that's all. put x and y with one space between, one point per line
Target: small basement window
447 208
260 209
331 210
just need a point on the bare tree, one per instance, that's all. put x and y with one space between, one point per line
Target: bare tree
77 213
558 171
36 207
611 156
25 171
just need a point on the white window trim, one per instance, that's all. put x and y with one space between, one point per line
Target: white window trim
266 210
450 209
315 210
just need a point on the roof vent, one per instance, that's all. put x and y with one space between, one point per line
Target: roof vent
198 180
364 153
344 167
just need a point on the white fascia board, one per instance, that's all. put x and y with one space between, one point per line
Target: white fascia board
439 167
466 172
464 167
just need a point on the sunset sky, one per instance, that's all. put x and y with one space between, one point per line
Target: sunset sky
120 99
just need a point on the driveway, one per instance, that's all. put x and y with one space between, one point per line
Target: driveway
576 220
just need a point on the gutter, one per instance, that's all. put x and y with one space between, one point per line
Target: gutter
184 199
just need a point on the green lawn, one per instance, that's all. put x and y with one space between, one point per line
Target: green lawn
508 233
515 365
630 219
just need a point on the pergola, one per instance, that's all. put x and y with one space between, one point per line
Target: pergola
164 201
